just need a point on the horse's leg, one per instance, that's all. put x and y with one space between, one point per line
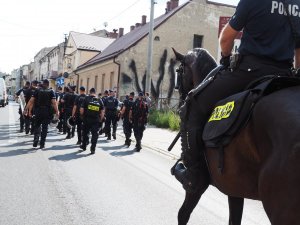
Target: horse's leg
236 206
190 202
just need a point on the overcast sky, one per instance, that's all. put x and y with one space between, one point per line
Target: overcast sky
28 26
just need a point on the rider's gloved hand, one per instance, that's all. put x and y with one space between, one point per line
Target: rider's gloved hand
225 60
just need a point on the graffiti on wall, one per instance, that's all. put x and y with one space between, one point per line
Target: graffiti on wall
140 80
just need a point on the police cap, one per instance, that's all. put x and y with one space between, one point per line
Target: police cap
34 82
92 90
141 94
82 88
46 81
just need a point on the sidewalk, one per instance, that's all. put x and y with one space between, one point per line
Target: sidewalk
157 139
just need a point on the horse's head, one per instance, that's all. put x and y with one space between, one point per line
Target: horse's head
193 68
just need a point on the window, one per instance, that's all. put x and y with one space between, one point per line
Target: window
96 82
87 84
102 83
111 80
198 41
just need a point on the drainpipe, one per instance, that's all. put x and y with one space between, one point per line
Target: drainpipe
77 82
119 70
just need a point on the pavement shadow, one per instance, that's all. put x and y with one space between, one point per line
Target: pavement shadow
17 152
18 144
122 153
61 147
110 148
69 156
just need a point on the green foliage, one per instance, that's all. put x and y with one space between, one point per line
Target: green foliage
165 119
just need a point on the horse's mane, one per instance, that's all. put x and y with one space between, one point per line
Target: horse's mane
203 61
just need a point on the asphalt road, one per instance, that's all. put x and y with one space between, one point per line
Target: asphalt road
116 186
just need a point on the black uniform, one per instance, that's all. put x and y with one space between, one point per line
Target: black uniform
60 125
127 124
43 114
139 118
103 130
78 120
25 91
29 122
267 47
69 101
91 119
111 105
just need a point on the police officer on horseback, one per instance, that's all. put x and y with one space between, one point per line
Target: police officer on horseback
111 106
92 112
76 113
44 102
139 117
268 46
127 123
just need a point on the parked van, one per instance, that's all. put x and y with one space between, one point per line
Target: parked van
3 93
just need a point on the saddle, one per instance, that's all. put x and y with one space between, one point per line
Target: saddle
233 113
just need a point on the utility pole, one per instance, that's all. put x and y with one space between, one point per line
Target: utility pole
150 48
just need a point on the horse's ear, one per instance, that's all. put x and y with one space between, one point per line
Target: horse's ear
179 56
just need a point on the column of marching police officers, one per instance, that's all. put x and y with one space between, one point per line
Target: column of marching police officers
89 114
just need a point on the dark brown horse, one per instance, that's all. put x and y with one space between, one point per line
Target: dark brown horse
262 162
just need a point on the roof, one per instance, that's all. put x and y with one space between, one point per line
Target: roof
130 39
90 42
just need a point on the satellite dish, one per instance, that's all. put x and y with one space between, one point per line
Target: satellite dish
66 74
105 24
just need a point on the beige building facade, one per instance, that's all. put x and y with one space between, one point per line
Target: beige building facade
79 49
123 65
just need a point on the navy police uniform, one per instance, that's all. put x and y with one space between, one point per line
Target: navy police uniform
111 105
69 101
78 120
43 103
139 119
91 119
267 47
26 92
127 123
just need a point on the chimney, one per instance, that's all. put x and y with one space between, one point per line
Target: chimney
174 4
121 32
144 19
168 9
137 25
132 28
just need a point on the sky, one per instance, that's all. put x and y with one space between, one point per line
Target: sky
28 26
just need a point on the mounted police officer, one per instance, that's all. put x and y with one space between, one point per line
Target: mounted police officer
127 123
92 112
267 47
76 113
139 117
69 101
42 100
111 106
25 90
